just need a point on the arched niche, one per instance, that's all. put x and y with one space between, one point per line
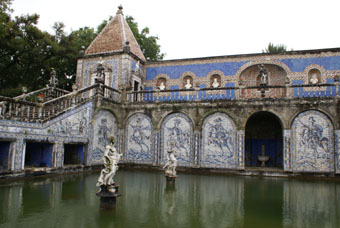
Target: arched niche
187 82
138 139
264 136
177 128
276 76
104 126
219 148
313 142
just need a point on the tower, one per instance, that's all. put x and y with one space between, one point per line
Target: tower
117 50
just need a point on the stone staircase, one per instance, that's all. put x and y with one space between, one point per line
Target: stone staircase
48 103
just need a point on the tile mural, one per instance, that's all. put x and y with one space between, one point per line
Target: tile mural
104 125
219 142
138 139
313 147
177 128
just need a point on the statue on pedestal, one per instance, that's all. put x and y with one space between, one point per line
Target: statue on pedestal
263 75
170 166
111 159
108 188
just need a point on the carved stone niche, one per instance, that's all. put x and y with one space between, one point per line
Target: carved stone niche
187 82
161 84
314 76
251 77
215 81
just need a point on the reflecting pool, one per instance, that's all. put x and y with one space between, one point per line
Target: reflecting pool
146 201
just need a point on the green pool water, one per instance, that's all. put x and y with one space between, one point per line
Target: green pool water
146 201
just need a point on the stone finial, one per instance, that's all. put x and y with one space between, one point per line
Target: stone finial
120 9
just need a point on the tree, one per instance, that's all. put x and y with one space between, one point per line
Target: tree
147 43
27 54
24 52
275 48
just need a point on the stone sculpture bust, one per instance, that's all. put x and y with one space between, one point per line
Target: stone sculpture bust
215 83
314 79
111 159
188 84
162 86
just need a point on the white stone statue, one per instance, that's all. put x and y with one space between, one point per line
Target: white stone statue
263 74
111 159
188 84
162 86
170 166
215 83
314 79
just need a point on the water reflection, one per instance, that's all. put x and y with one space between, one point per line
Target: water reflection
311 204
10 203
195 201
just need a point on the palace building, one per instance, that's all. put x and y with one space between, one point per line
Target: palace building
229 113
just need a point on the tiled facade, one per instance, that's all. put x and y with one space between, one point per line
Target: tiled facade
208 127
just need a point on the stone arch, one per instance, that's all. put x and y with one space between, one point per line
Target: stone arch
312 67
278 115
257 62
187 75
264 137
159 78
312 142
138 139
177 127
219 147
250 76
293 117
108 78
104 125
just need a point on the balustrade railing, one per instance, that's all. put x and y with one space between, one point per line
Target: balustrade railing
42 95
19 109
112 94
233 92
16 109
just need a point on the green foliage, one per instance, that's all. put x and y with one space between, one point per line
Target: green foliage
27 54
275 48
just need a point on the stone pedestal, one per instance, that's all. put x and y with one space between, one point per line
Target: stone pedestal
108 195
170 180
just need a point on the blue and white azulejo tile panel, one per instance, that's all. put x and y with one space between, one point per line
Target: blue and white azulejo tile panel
219 142
105 125
138 139
177 128
313 143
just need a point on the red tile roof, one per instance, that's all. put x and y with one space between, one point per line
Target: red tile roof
114 37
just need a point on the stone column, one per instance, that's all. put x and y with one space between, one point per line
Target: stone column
197 149
18 156
58 155
337 151
287 150
240 149
156 147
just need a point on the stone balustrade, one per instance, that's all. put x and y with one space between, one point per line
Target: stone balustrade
42 95
236 93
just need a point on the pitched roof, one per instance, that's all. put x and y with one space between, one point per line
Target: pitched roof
114 37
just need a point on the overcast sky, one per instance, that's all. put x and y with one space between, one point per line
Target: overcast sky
197 28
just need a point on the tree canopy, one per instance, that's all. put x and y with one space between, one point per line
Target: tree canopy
27 54
271 48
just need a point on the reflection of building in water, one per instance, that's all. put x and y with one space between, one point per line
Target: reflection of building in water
310 204
221 201
10 204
